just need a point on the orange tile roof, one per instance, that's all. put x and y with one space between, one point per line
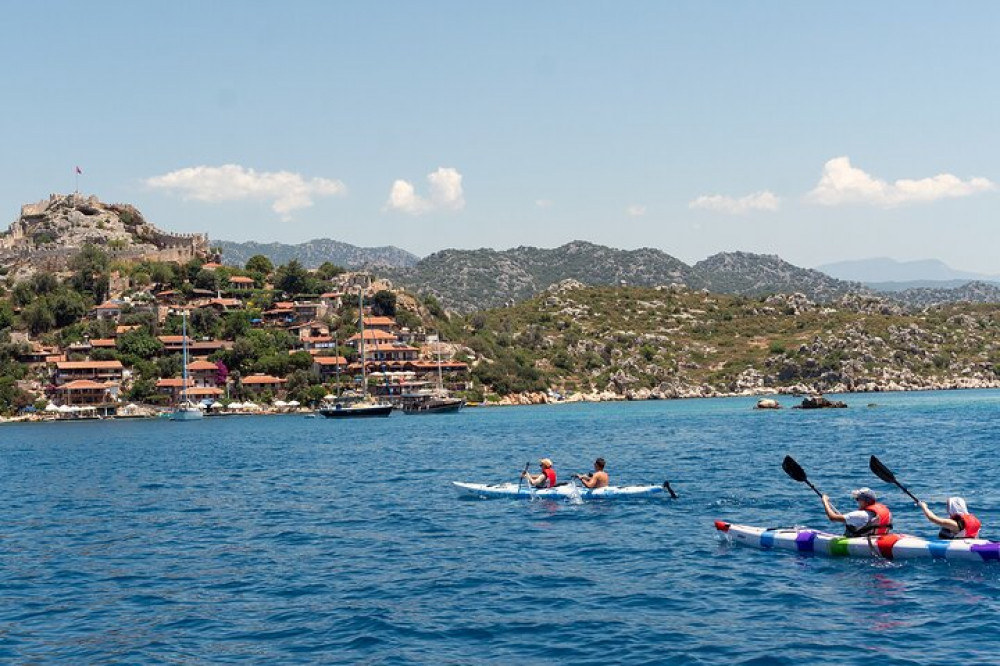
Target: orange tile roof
262 379
202 365
81 384
89 365
204 390
240 279
173 382
102 342
329 360
108 305
373 334
379 321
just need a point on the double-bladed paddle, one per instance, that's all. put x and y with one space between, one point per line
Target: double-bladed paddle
520 481
673 495
794 470
884 473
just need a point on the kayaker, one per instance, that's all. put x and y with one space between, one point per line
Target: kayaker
872 517
547 479
960 524
596 479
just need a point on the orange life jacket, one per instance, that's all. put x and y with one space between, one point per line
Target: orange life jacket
550 474
879 522
968 526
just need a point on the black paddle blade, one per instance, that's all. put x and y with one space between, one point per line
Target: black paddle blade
881 471
673 495
793 469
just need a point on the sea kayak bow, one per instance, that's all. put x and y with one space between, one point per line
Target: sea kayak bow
561 492
888 546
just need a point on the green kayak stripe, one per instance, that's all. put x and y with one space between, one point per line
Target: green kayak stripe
839 546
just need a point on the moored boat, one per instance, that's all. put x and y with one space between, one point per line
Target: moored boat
433 404
566 491
346 409
887 546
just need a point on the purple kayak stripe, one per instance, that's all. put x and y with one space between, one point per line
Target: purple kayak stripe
804 541
987 551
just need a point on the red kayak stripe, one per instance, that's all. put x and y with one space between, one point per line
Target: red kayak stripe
885 544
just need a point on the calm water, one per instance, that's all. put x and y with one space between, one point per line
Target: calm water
292 540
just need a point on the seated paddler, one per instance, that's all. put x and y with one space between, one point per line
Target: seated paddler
960 524
872 518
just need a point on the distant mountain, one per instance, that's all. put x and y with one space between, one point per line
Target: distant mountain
971 292
315 252
883 269
467 280
750 274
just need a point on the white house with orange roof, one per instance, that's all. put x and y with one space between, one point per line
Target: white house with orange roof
329 366
258 384
241 283
203 373
85 392
96 371
107 310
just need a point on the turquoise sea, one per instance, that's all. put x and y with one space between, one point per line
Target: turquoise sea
286 540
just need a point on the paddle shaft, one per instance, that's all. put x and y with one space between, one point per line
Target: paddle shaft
673 495
884 473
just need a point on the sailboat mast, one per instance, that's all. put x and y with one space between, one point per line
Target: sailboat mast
440 375
184 344
361 316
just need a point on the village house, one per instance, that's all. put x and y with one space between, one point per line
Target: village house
107 310
328 367
173 389
256 385
85 392
203 373
96 371
241 283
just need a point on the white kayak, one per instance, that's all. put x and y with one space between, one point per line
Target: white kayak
562 491
888 546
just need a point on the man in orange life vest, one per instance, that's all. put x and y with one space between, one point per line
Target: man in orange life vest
960 524
871 518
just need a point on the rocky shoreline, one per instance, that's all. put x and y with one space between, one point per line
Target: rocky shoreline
674 393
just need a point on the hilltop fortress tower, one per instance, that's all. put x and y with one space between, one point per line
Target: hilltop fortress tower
49 233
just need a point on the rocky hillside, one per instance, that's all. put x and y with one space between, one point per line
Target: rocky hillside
668 342
468 280
48 233
315 252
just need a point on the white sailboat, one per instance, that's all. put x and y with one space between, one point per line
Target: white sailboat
186 410
363 406
437 401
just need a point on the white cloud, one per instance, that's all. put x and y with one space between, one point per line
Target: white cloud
285 190
544 203
445 194
764 200
842 183
636 210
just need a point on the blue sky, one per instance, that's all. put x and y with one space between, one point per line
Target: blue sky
816 132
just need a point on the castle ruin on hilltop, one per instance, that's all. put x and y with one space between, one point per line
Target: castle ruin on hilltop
49 233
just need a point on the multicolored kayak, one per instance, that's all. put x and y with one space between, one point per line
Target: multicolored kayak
566 491
888 546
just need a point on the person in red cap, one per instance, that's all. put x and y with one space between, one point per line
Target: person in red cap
871 518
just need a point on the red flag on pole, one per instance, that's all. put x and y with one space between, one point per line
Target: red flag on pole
78 170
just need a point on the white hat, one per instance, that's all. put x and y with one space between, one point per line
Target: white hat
864 493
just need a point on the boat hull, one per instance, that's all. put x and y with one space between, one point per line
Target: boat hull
563 492
888 546
191 414
374 411
448 406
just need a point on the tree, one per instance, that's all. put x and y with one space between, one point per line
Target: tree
90 276
38 317
384 303
138 342
206 279
259 263
6 315
328 270
67 307
292 278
